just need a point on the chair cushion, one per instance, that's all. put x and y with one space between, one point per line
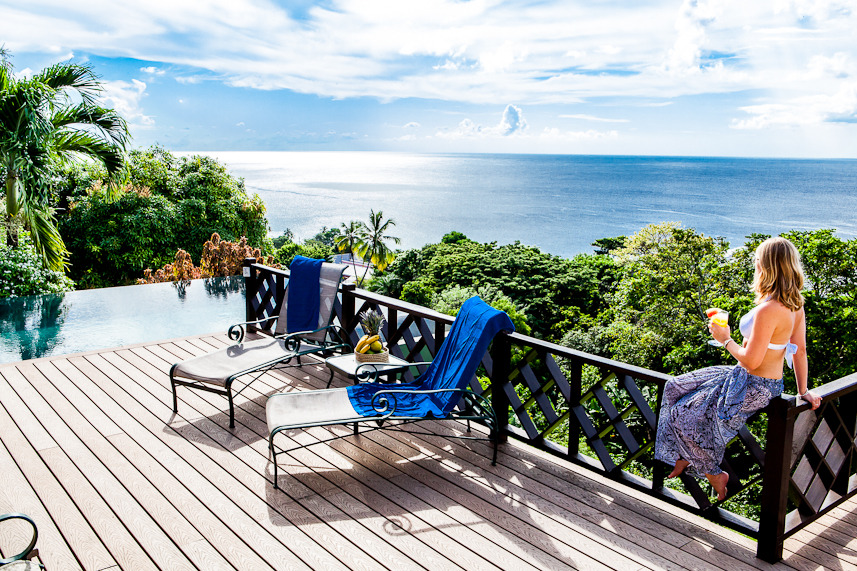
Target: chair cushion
308 407
216 367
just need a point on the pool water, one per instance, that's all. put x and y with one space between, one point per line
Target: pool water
86 320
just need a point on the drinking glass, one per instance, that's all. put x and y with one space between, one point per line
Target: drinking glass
720 318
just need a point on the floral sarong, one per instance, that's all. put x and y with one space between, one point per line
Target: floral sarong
703 410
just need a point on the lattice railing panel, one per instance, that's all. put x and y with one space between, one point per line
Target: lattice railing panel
823 471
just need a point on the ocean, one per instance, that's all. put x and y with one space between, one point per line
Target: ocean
559 203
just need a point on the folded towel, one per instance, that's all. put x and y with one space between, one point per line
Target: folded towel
303 297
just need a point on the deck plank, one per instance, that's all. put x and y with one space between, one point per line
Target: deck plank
117 481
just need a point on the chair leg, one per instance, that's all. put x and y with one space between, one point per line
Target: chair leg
173 384
274 460
231 408
330 380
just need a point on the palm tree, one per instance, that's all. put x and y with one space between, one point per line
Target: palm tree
373 245
349 239
45 121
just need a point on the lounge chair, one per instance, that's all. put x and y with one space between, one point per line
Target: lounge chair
434 395
22 561
303 326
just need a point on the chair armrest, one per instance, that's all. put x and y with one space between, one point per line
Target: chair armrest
236 331
293 340
382 403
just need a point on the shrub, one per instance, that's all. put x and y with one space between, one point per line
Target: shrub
23 272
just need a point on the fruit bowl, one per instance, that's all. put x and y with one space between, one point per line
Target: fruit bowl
382 357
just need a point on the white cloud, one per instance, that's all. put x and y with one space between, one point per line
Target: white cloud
481 52
411 125
152 70
840 107
512 123
126 97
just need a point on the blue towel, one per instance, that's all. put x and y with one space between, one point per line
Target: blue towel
304 296
454 365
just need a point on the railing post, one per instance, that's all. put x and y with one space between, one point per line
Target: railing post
251 287
501 355
775 482
575 383
348 305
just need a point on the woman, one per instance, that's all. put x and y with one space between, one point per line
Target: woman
703 410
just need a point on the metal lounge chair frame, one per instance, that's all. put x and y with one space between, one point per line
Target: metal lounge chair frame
326 407
473 406
277 351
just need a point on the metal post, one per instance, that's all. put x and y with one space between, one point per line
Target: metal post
348 307
251 287
575 382
776 478
501 355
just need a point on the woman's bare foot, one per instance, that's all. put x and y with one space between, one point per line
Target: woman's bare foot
680 465
718 482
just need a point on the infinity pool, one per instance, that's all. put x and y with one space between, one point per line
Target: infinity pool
86 320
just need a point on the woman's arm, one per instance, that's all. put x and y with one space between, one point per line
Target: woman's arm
752 352
801 363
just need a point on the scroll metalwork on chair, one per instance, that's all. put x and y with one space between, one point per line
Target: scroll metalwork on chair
303 326
433 396
21 561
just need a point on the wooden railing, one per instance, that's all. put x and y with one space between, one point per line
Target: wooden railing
602 415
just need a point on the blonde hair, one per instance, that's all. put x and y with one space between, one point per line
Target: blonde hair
779 274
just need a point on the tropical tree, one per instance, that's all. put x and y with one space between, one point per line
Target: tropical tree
45 121
349 239
373 245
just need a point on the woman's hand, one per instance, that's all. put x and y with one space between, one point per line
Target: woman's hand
719 332
812 399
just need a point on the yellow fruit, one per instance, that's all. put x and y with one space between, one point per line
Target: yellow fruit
376 346
373 339
364 341
364 348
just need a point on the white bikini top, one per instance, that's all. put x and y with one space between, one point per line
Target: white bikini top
745 326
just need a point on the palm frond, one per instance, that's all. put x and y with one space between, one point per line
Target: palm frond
74 76
46 238
75 142
108 122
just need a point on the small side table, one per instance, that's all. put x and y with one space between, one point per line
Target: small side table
347 365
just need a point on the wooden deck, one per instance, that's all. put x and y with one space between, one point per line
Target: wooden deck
91 449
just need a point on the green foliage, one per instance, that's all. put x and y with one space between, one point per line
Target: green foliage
312 248
23 271
450 300
671 275
279 241
326 236
542 285
168 204
830 265
419 292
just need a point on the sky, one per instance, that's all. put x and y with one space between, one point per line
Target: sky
758 78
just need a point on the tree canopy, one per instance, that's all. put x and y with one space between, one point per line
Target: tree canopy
167 204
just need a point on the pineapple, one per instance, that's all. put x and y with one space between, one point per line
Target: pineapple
371 320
